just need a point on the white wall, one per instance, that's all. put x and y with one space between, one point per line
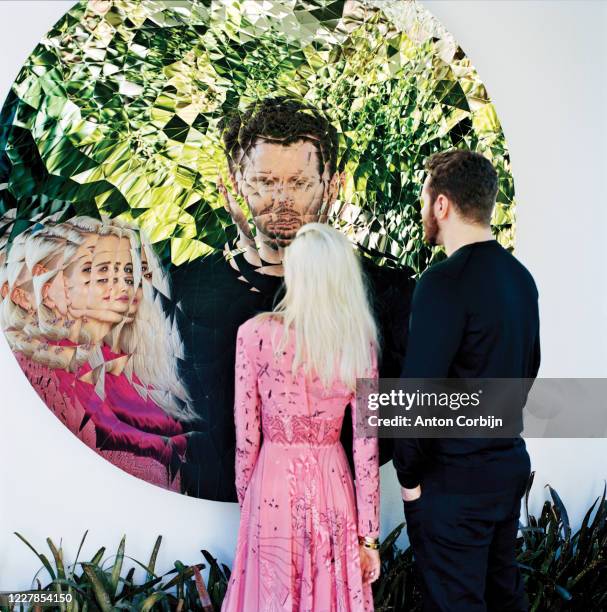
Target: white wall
544 64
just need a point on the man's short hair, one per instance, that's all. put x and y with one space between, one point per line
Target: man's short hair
468 179
285 120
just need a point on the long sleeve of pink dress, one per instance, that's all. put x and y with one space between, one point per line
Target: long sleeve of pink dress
248 419
366 469
301 514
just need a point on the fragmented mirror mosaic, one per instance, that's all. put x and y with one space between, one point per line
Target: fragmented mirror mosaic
156 157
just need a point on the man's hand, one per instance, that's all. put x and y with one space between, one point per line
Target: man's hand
411 494
238 216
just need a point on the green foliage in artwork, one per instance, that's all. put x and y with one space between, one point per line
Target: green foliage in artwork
118 111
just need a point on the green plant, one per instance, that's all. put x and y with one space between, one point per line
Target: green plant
564 570
398 585
97 588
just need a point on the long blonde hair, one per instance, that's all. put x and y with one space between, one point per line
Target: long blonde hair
51 252
12 316
326 304
152 339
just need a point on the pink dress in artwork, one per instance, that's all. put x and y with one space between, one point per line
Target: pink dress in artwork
130 431
297 547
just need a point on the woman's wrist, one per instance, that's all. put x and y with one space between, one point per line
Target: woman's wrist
369 542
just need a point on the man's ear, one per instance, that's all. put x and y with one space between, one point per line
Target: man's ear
442 207
4 289
337 181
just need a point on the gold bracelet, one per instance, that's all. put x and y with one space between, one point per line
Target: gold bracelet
369 542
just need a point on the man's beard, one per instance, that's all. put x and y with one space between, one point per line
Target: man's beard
279 234
280 228
431 229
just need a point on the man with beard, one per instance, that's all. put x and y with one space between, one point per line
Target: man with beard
282 161
474 315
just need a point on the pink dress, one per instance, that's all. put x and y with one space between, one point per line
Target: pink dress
297 546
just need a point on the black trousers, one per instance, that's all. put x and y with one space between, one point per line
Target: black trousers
464 544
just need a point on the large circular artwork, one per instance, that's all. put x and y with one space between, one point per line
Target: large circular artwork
157 156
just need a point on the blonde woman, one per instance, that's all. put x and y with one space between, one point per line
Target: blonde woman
113 286
99 309
307 538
